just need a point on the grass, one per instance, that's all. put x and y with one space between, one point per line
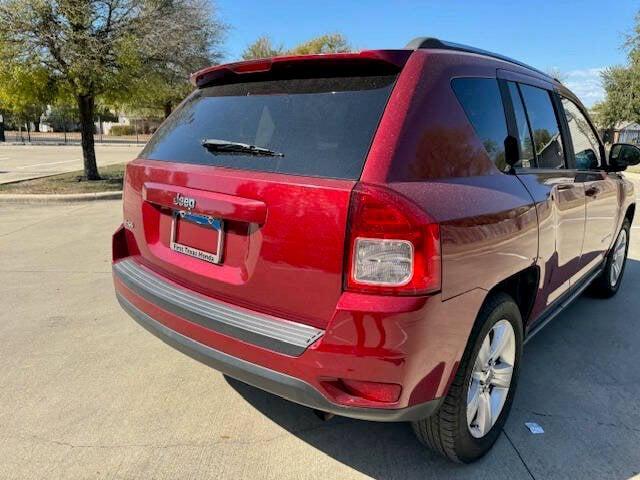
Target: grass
71 182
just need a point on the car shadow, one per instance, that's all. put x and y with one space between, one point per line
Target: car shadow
379 450
390 450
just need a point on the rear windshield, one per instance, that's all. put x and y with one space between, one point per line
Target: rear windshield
322 126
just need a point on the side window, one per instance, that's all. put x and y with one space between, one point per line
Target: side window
480 98
584 139
527 157
544 125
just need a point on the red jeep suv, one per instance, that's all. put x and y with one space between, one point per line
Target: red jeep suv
373 234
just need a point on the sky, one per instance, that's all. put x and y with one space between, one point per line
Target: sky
578 38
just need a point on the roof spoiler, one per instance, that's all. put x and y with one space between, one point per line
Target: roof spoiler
293 66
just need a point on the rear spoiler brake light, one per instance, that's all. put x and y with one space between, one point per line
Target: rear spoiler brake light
295 66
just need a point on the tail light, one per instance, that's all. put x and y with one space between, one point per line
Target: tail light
393 247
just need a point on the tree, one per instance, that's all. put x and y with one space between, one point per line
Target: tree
25 92
154 92
622 86
61 115
622 100
332 43
263 47
98 47
162 77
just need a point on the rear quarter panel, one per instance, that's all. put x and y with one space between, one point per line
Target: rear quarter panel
430 153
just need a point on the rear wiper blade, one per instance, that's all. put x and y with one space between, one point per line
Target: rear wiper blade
225 146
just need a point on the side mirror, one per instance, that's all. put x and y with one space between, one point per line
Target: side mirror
586 160
623 155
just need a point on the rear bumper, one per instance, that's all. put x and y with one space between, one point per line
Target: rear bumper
278 383
272 333
414 342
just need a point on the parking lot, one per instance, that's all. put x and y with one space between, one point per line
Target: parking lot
21 162
87 393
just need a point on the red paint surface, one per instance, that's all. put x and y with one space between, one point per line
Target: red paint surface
285 236
288 263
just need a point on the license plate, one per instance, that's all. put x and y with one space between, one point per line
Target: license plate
199 236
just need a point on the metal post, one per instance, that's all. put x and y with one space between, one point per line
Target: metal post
64 127
100 127
2 138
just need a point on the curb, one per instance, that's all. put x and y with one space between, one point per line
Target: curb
47 175
58 198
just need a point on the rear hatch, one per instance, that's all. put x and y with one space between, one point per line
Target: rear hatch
262 228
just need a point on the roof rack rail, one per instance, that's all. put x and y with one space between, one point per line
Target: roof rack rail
436 43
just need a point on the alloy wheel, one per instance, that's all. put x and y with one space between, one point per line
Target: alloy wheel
617 259
491 378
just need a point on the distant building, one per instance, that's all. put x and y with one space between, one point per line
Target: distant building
105 127
626 132
129 125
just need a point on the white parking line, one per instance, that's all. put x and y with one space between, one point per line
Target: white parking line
46 164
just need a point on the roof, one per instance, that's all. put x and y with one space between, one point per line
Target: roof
437 44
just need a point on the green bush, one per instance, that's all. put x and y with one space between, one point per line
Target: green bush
118 130
142 128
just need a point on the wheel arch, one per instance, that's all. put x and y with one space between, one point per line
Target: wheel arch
630 213
522 287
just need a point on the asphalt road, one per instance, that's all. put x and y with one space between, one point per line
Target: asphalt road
87 393
21 162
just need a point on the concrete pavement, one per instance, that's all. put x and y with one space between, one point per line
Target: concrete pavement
86 393
21 162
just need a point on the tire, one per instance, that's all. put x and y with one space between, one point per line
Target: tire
603 286
447 431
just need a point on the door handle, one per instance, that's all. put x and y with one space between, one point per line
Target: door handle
215 204
592 191
565 186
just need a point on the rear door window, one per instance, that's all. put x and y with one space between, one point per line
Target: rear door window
322 126
527 157
480 98
544 125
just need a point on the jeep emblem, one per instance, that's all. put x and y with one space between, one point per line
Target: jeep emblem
185 202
